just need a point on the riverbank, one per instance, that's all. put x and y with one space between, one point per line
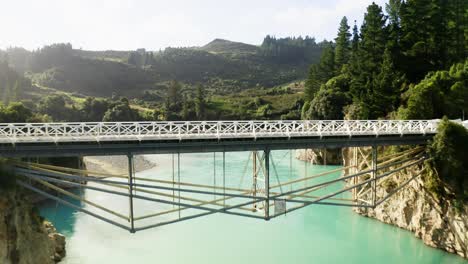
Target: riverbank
116 164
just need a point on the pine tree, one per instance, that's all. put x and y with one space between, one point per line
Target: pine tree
17 92
371 48
373 37
174 96
200 103
416 30
355 40
312 84
354 59
185 108
326 66
321 72
387 85
440 17
459 30
6 93
393 8
342 49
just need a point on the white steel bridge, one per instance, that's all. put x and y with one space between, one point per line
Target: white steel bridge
59 139
186 198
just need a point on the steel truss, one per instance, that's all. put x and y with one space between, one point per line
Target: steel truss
196 200
195 130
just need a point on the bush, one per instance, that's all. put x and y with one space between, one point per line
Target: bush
448 151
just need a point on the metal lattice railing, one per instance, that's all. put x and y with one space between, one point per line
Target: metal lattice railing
180 130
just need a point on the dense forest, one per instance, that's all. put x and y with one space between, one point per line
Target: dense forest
410 62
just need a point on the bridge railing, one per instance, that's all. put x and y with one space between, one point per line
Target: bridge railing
180 130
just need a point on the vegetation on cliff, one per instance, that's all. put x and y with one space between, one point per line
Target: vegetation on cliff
448 150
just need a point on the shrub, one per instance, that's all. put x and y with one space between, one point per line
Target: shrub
448 151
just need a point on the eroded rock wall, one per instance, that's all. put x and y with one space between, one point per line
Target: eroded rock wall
24 237
438 223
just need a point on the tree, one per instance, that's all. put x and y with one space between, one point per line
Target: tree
369 60
120 112
55 107
354 59
417 34
93 109
373 38
440 93
14 113
393 9
313 82
355 39
6 93
330 99
327 105
386 89
174 95
321 72
187 112
342 49
448 150
459 29
16 93
200 103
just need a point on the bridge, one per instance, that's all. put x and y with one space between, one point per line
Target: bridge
263 196
72 139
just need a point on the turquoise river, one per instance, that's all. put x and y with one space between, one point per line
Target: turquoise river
315 234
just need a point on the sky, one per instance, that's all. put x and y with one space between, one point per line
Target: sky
157 24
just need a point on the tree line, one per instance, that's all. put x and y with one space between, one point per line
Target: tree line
291 49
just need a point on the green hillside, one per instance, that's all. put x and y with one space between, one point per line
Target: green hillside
221 66
226 46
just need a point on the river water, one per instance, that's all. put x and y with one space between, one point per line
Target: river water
315 234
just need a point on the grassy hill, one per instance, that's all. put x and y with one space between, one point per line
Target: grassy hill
223 67
227 46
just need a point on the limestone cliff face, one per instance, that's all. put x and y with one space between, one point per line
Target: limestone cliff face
24 237
438 223
320 156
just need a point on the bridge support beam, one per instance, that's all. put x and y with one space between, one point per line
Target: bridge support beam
254 178
267 184
374 176
130 190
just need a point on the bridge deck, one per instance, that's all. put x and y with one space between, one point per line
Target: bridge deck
113 138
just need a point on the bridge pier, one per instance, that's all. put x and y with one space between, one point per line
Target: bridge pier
374 176
130 190
267 184
254 178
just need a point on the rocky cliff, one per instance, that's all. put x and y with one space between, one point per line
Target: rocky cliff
320 156
438 222
25 238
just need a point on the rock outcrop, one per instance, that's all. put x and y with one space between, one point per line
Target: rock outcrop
438 222
320 156
25 238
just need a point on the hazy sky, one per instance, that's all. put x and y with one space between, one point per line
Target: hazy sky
156 24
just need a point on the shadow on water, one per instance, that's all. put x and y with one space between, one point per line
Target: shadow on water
63 217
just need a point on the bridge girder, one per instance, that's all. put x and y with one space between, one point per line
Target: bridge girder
199 146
